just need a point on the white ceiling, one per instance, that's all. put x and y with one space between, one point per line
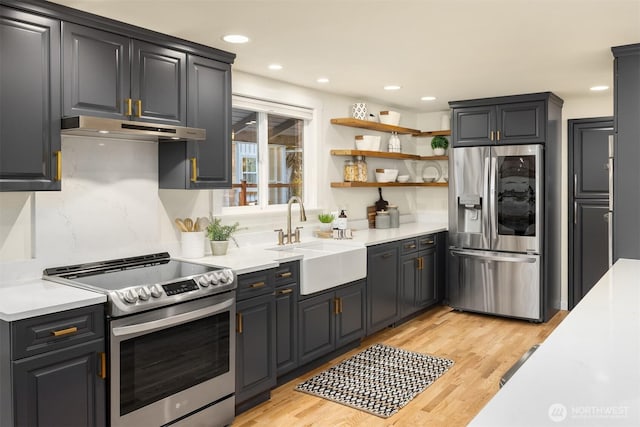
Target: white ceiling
450 49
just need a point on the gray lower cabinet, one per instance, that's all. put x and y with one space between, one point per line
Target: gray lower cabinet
626 196
330 320
418 274
205 164
111 75
498 122
383 288
52 372
287 294
30 102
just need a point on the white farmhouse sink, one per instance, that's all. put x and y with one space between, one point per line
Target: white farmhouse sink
327 264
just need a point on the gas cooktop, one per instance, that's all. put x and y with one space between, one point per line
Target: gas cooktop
144 282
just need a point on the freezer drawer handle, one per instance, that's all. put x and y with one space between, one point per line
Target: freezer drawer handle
494 258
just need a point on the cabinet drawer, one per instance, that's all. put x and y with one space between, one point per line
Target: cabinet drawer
254 284
408 246
426 242
53 331
287 273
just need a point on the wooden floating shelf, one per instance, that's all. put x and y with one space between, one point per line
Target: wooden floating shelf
385 155
433 133
381 127
387 184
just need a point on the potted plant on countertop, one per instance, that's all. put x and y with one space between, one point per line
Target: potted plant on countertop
439 145
325 221
219 236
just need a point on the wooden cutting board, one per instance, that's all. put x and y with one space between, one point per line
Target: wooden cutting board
371 216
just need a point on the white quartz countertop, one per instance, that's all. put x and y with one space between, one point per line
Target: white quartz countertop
247 259
587 372
38 297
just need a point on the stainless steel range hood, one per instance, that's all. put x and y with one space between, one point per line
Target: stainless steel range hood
114 128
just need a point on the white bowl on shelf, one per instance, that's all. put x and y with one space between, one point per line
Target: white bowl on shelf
403 178
386 175
390 118
368 142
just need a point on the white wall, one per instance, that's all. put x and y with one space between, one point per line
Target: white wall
110 204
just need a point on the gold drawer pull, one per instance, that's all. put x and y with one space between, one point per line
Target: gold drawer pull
194 169
411 246
58 176
239 322
257 285
139 105
287 274
129 102
427 242
285 291
103 365
63 332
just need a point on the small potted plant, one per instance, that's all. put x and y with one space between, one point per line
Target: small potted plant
325 221
439 145
219 236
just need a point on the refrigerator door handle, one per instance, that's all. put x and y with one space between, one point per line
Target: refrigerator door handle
463 253
493 209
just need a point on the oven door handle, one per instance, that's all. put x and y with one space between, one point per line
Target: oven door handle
171 321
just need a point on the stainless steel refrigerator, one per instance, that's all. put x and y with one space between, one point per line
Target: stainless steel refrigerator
496 230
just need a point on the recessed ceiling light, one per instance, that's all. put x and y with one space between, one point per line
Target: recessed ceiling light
323 80
275 67
235 38
102 131
599 88
392 87
428 98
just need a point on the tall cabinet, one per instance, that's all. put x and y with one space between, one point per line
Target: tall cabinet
626 192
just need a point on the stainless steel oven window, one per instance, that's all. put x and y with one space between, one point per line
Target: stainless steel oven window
165 362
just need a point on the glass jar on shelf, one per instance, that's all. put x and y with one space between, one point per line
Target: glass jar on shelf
350 171
361 169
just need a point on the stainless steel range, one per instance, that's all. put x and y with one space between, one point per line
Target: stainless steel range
171 328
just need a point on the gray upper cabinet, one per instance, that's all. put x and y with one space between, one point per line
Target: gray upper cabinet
498 123
109 75
626 196
30 155
205 164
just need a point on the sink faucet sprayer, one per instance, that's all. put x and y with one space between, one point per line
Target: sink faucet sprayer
295 236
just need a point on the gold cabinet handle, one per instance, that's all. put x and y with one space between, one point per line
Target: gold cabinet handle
257 285
491 135
340 302
498 136
62 332
129 103
285 291
336 307
139 108
194 169
103 365
239 323
58 176
285 275
427 242
411 246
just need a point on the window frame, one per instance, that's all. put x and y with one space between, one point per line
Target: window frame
310 151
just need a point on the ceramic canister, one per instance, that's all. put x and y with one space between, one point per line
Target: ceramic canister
359 111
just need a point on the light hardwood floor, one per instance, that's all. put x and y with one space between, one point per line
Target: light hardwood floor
483 348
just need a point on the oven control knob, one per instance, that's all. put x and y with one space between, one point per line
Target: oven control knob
143 294
204 280
215 278
156 291
228 276
130 296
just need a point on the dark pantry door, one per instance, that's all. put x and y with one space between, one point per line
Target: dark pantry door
588 203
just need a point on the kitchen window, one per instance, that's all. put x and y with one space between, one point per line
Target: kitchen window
268 153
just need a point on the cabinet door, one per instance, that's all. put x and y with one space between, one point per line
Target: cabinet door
30 101
591 251
409 280
209 90
287 328
96 72
317 326
590 146
159 84
521 123
382 286
350 319
426 291
474 126
60 388
255 350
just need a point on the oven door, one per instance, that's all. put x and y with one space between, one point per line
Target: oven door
169 362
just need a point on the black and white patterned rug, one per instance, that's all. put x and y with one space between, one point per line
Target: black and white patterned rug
379 380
